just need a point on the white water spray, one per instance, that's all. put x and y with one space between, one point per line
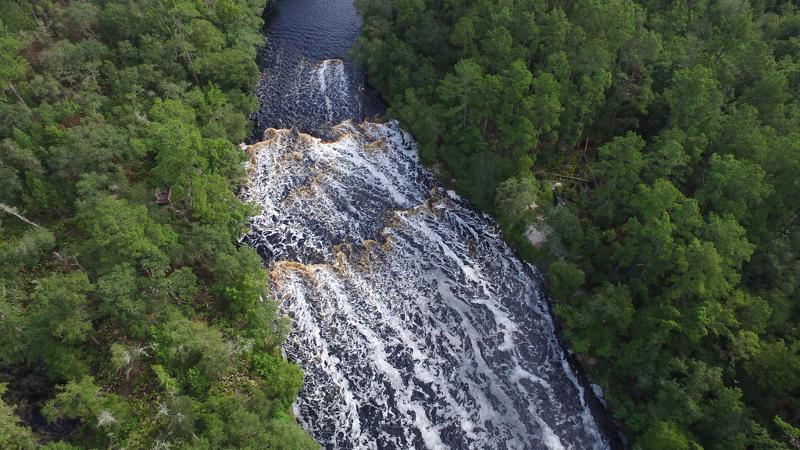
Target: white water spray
415 324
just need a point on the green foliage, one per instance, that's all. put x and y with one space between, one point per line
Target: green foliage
12 65
516 198
664 436
775 368
169 383
791 433
119 231
120 300
285 377
565 278
84 400
13 436
230 421
732 187
27 251
54 323
672 130
286 435
192 348
123 286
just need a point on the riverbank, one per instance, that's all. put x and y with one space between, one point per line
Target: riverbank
129 314
670 156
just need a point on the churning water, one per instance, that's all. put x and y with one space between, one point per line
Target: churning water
307 82
415 324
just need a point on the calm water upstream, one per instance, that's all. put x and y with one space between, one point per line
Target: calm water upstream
415 324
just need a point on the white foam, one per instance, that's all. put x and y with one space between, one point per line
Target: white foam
424 329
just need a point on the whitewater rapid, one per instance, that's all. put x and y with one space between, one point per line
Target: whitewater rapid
310 96
415 324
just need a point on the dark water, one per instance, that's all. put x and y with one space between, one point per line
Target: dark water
306 69
415 324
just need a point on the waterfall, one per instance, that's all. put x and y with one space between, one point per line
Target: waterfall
415 324
314 96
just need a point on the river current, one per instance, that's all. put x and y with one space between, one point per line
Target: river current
414 322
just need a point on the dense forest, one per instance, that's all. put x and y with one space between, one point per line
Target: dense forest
657 144
129 316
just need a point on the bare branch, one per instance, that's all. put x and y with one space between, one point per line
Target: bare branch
14 90
13 211
568 177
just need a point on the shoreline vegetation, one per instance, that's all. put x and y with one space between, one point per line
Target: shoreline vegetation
129 315
658 145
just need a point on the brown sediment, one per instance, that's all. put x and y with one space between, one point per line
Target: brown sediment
280 137
345 127
307 140
375 146
427 206
388 242
270 134
341 255
342 248
376 120
328 61
282 267
306 190
370 245
343 130
392 220
369 255
342 258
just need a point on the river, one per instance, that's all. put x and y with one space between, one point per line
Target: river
414 322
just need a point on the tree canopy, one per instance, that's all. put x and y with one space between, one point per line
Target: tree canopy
660 142
130 316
